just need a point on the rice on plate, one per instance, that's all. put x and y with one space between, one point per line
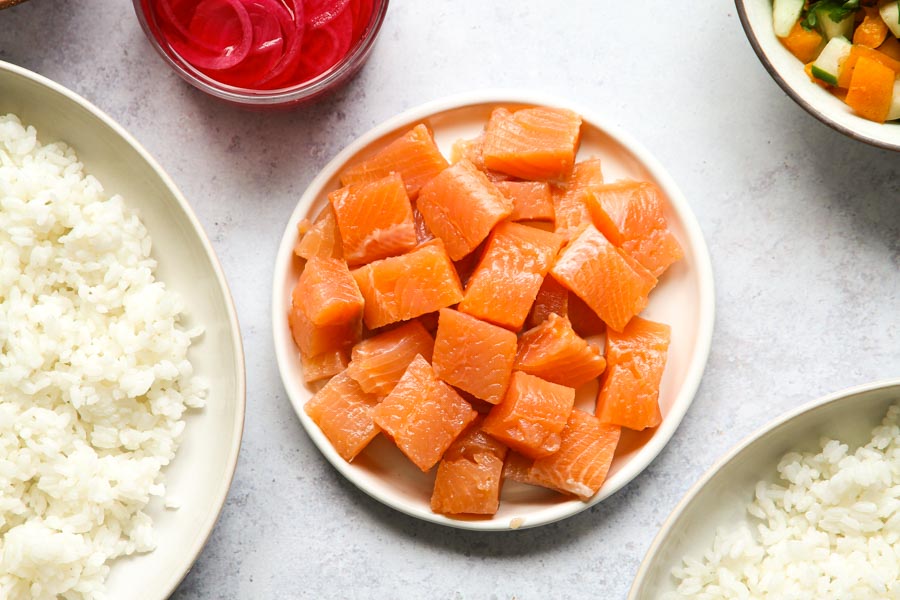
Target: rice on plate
830 529
94 374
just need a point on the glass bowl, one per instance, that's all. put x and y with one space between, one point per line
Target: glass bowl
285 97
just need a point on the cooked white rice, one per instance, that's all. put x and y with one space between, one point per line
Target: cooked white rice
830 530
94 374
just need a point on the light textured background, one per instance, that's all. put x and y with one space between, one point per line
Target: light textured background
803 226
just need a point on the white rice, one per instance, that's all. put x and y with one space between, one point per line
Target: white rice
829 530
94 375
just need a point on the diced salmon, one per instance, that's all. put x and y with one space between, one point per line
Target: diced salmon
322 238
423 415
403 287
570 202
551 298
537 143
630 215
580 465
461 206
473 355
629 395
469 475
553 351
379 362
532 415
472 150
375 219
325 365
532 200
613 284
326 306
414 155
344 414
506 282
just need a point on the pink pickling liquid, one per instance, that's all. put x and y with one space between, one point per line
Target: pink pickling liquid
261 44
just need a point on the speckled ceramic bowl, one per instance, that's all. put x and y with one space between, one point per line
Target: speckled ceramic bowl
787 71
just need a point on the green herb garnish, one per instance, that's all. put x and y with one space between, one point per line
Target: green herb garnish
837 11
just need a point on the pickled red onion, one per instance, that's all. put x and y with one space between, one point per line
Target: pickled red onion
322 12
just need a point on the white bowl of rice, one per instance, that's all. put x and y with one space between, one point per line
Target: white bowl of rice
122 381
807 507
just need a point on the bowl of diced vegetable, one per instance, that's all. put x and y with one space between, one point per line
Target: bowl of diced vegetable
838 59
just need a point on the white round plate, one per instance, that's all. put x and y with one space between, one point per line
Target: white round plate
683 299
722 494
787 70
201 473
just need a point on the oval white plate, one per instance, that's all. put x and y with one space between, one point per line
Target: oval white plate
722 494
787 71
201 473
683 299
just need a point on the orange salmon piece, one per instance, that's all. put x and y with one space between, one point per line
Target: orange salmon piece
403 287
375 219
461 206
570 203
344 414
532 200
551 298
553 351
630 215
506 281
469 475
613 284
423 415
629 395
322 239
326 306
473 355
532 415
379 362
580 465
413 155
325 365
473 151
537 143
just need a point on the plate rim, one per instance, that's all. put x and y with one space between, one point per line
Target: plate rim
207 525
705 282
666 528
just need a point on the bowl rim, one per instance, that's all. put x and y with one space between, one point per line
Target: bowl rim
668 525
306 90
206 526
695 239
750 32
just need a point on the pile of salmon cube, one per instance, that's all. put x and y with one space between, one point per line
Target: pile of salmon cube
456 308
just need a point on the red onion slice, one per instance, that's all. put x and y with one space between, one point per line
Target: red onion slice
321 12
286 67
210 26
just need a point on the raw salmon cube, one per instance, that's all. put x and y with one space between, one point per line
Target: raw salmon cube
570 202
551 298
613 284
423 415
630 215
503 287
403 287
629 395
380 361
461 206
532 200
537 143
344 414
580 465
322 238
375 219
469 475
414 155
553 351
473 355
531 416
325 365
326 306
